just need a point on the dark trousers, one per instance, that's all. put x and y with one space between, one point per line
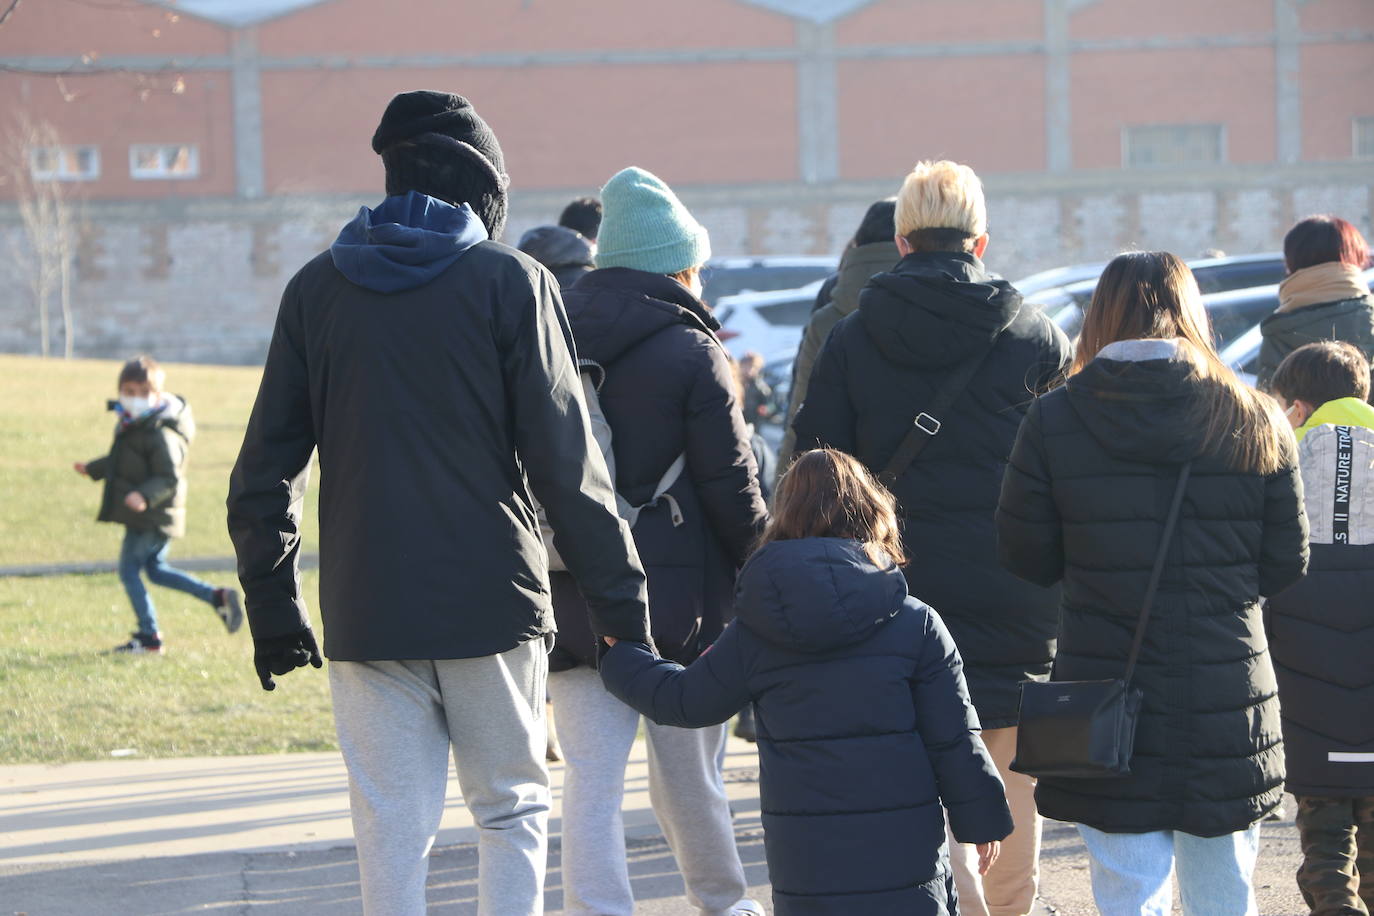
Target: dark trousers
1337 873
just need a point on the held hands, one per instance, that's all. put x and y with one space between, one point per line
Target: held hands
281 654
135 501
987 855
80 468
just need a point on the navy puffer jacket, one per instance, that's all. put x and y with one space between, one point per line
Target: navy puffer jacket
864 728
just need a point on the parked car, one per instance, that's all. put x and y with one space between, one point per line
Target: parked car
1065 305
1055 278
767 323
731 276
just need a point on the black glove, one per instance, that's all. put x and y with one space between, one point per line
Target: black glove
281 654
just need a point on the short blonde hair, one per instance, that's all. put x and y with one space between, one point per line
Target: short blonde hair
942 195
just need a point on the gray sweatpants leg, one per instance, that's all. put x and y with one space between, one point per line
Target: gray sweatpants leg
597 732
396 720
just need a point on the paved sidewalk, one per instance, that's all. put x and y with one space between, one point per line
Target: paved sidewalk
271 835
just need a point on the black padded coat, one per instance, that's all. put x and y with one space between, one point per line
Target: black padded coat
880 367
1084 501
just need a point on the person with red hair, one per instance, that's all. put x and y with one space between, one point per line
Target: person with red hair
1326 296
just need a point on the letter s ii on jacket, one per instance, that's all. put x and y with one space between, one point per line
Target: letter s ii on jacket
434 370
1322 628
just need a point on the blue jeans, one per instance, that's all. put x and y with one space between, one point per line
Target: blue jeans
146 551
1131 872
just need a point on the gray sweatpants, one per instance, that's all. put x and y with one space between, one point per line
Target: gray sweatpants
597 732
396 720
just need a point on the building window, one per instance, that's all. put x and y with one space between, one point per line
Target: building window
1150 145
1364 138
64 163
164 160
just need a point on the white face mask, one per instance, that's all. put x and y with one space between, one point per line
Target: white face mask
135 407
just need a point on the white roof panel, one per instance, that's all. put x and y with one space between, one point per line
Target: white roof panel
236 14
814 10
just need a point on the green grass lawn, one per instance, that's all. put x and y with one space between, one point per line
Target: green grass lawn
63 698
54 414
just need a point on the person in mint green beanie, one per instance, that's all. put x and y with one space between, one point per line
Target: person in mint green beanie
670 398
645 227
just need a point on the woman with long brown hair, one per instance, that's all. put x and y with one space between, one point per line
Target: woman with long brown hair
1084 502
865 729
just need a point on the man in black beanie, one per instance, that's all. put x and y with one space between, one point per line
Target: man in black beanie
433 370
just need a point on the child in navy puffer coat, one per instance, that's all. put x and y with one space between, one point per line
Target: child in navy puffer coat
865 729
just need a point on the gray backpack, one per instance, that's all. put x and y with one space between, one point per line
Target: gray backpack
593 375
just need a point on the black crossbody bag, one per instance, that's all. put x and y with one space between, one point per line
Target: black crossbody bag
1086 729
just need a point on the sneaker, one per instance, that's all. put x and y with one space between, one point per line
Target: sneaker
747 907
140 644
229 609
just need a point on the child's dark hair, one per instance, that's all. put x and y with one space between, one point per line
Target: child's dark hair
582 215
828 494
1321 372
142 370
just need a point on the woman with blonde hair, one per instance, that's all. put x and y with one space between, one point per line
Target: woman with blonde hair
865 728
1094 470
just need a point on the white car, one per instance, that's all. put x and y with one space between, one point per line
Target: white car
766 323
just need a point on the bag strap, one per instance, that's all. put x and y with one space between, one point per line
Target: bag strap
927 423
1169 525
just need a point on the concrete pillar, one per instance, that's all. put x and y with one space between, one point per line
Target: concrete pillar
1058 107
1287 82
245 78
818 140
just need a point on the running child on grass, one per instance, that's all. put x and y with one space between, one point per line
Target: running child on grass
145 491
866 734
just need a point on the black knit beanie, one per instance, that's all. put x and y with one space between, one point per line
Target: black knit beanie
435 143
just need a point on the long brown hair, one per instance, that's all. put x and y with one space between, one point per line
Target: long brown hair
1153 295
828 494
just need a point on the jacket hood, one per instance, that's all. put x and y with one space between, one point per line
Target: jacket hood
557 246
615 309
174 414
1340 412
1138 399
935 308
857 267
405 242
817 594
1311 319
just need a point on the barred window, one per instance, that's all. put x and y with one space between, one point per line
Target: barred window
64 163
1364 138
164 160
1148 145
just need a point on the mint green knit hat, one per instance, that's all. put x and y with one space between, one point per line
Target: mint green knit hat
645 227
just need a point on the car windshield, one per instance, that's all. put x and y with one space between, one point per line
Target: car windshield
727 280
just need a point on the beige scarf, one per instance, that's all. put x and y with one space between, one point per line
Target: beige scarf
1319 284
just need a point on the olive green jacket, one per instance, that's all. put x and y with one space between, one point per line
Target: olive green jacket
148 455
1350 320
857 266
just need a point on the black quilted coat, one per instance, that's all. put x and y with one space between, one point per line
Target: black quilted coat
1084 503
880 367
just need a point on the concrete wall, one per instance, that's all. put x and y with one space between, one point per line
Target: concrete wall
200 280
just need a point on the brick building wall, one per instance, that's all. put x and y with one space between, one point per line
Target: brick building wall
777 120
